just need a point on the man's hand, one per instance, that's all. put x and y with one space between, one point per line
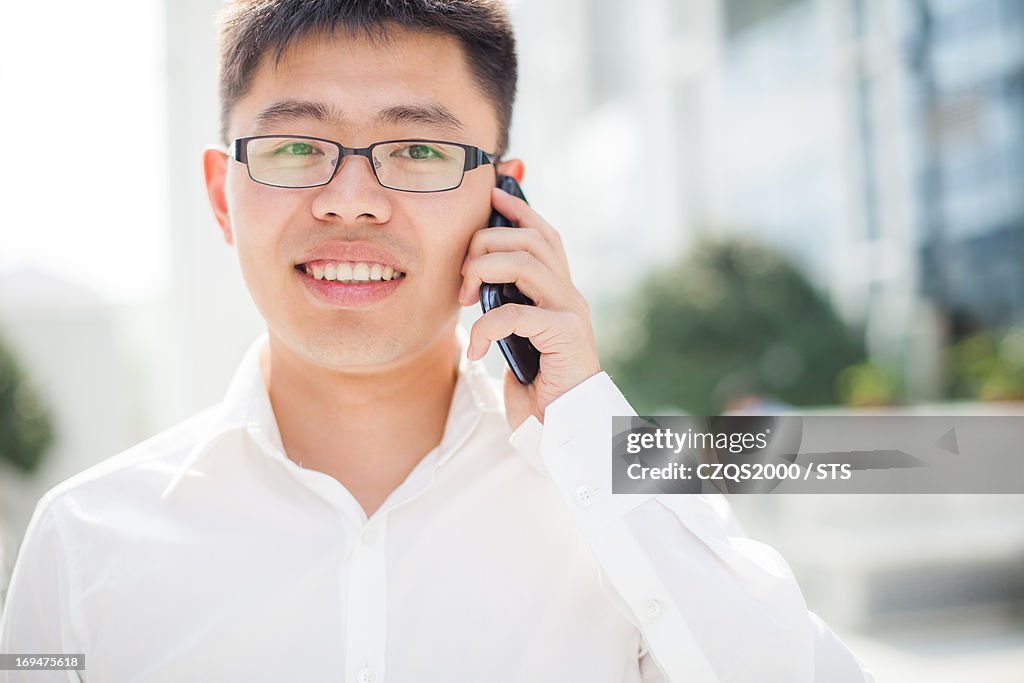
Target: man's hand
532 257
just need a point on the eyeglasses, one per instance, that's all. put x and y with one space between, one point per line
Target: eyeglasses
300 161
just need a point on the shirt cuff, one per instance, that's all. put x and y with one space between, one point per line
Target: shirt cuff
526 441
527 438
574 445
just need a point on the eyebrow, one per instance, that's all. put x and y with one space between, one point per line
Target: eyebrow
287 111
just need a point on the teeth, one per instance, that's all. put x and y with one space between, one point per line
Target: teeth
353 272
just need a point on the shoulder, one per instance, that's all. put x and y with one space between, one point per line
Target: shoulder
132 476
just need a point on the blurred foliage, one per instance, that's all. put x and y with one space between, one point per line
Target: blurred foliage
869 384
989 366
731 318
26 431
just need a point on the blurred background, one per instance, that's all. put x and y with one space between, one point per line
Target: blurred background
814 205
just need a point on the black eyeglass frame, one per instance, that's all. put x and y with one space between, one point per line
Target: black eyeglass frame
475 157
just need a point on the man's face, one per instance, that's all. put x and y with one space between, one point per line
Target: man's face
426 234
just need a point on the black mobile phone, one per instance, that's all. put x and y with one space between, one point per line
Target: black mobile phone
521 355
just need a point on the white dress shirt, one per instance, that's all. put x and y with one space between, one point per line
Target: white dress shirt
206 554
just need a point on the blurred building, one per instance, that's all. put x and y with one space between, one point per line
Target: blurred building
966 59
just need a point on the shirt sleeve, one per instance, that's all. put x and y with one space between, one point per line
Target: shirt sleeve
35 618
711 603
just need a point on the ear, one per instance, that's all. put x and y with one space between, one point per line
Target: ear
215 165
512 167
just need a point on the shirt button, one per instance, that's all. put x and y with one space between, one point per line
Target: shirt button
366 675
652 608
584 495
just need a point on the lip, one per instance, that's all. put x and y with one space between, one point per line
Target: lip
348 294
352 252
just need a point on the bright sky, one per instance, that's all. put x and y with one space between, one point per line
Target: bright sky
83 175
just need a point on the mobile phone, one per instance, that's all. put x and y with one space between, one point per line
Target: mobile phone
521 355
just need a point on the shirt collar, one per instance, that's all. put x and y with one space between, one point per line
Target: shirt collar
246 407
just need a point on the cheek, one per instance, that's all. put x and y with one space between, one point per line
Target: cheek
476 210
458 234
254 216
447 227
255 210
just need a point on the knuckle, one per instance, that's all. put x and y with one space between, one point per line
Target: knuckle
530 234
515 311
556 236
477 243
523 259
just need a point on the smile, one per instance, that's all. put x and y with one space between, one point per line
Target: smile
349 284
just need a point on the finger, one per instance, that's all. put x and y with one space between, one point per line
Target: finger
515 239
546 329
520 213
525 271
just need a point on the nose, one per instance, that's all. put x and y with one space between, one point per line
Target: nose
353 195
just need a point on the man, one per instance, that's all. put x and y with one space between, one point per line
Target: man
366 505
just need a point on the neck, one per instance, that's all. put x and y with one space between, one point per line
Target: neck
366 429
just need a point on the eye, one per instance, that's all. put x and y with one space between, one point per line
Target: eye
297 148
419 150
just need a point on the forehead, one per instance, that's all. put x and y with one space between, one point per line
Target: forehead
358 83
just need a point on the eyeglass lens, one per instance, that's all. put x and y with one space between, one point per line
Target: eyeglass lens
299 162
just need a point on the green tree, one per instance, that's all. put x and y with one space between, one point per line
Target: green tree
26 431
989 366
732 316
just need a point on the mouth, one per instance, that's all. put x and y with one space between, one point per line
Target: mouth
350 284
351 272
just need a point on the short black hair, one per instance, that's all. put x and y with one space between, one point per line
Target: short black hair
249 29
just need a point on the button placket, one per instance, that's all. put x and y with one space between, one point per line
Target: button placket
366 606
